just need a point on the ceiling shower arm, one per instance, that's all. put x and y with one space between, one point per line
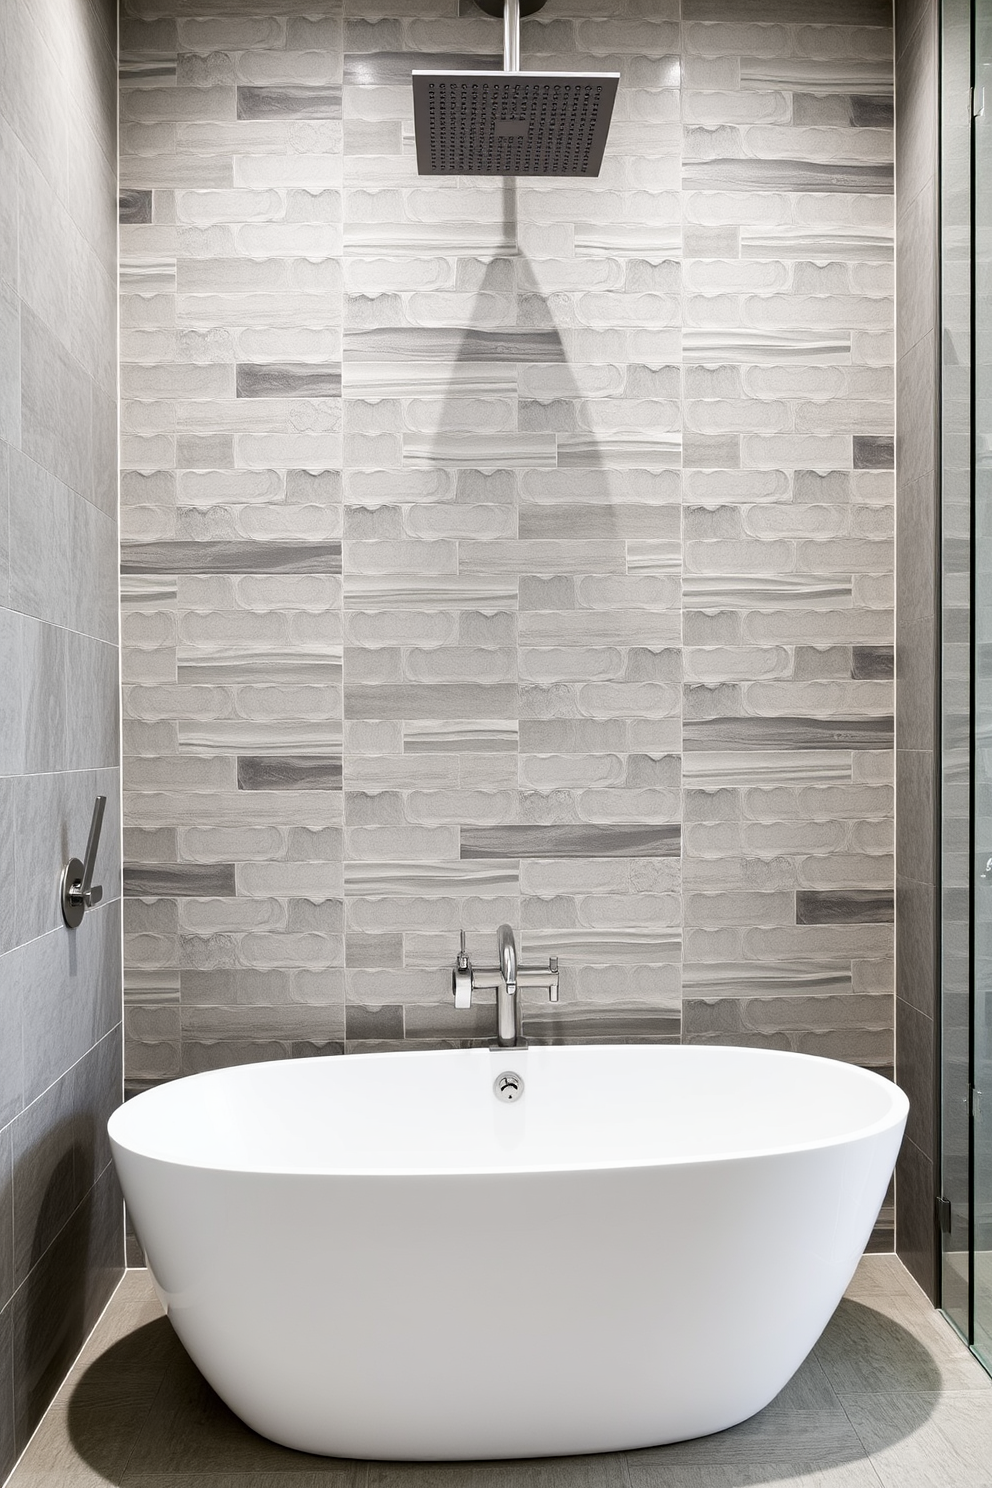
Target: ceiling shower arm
511 35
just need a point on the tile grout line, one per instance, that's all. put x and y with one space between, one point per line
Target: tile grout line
867 1458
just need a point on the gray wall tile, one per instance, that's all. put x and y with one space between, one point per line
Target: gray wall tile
11 1063
134 207
59 989
570 841
44 1188
44 700
8 866
916 965
198 880
916 1071
916 682
288 772
230 557
844 907
10 350
40 581
4 524
66 1290
56 406
6 1217
11 696
916 1179
69 1001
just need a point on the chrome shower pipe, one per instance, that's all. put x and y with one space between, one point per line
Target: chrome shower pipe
511 35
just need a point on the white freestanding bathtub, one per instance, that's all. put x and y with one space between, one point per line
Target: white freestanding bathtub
374 1256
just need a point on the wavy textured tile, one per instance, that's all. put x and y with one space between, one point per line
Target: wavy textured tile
404 591
717 734
571 842
230 557
837 243
289 772
873 662
787 175
170 880
389 69
417 879
288 380
711 769
460 736
844 907
482 387
747 978
319 102
134 207
259 736
452 344
874 452
431 700
732 345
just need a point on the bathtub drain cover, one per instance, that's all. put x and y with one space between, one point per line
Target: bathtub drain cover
508 1086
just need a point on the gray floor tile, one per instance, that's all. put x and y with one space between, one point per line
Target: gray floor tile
606 1471
808 1390
332 1475
894 1344
927 1441
132 1307
881 1274
772 1436
77 1474
98 1437
858 1474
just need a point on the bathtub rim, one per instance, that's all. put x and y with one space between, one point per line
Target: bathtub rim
117 1123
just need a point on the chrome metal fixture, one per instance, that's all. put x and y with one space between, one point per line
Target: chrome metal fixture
509 1086
507 978
512 123
77 891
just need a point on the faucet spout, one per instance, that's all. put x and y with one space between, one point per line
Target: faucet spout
507 948
506 992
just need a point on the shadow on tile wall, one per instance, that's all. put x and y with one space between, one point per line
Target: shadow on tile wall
506 551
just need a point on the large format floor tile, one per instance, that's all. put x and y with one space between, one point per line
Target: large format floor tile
889 1398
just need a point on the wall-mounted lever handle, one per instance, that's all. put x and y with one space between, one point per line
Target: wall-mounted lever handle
77 891
461 978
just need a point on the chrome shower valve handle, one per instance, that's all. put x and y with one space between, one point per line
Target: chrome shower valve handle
77 891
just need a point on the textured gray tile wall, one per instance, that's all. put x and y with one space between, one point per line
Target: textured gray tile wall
917 344
61 1235
507 551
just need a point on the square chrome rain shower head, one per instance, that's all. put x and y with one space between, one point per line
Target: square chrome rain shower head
512 123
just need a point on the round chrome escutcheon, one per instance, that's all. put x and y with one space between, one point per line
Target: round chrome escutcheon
508 1086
